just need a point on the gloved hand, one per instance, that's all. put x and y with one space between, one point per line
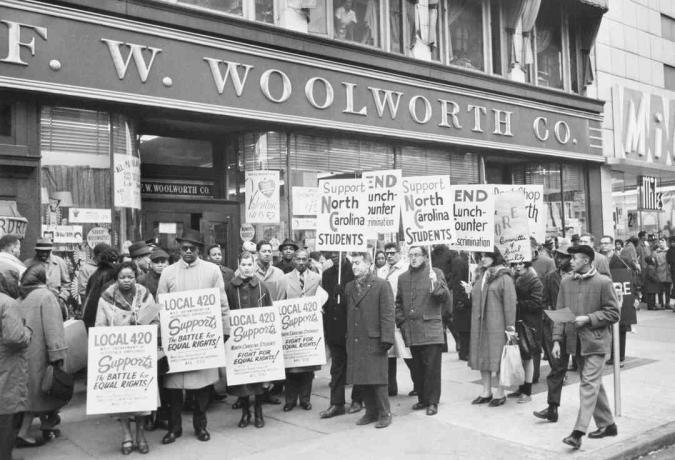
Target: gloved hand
339 291
385 346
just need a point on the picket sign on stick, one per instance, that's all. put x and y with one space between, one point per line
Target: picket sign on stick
339 270
431 269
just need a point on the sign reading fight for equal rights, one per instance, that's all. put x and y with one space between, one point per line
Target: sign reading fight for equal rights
473 209
302 331
122 369
427 210
254 351
341 222
192 329
384 200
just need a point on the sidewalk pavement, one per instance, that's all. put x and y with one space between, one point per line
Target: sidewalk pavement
460 430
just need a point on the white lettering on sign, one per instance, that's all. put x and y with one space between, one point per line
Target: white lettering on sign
349 104
309 93
390 99
231 73
135 53
286 87
14 42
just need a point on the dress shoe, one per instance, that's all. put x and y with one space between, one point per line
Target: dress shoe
355 407
419 406
333 411
384 421
171 436
203 435
609 430
306 405
550 414
574 441
482 400
412 393
497 402
432 409
366 419
289 407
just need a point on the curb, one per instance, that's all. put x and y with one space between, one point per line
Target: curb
636 446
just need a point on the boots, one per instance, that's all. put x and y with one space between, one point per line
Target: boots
245 412
259 421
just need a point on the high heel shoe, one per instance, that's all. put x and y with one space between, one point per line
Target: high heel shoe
482 400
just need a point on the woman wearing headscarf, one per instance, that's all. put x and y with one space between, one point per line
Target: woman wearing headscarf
493 312
122 304
99 280
247 291
42 314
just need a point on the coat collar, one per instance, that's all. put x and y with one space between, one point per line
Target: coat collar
238 282
368 283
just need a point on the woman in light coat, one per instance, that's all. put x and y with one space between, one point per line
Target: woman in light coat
493 312
41 311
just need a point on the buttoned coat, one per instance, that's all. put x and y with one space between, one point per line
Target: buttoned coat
594 296
334 312
493 309
420 311
14 340
370 322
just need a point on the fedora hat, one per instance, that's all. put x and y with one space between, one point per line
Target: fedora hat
563 245
288 242
139 249
191 236
44 244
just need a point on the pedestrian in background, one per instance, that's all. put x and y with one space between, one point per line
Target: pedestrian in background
380 260
159 260
651 286
99 280
42 314
461 304
58 279
541 262
214 254
663 273
493 311
11 268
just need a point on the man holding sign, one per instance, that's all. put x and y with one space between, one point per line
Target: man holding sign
192 273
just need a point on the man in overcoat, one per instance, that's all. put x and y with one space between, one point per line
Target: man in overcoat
592 299
370 334
422 301
191 273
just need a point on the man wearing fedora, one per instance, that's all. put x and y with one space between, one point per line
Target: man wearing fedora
140 255
287 249
58 280
592 299
191 273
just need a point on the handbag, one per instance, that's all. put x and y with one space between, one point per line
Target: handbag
56 382
527 342
76 341
511 372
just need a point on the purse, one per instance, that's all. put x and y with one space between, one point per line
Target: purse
527 341
56 382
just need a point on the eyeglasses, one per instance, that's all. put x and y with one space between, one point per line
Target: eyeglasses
412 254
188 248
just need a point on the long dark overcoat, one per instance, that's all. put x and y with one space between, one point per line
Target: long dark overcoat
370 322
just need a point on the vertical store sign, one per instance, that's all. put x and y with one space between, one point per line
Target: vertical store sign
384 205
262 197
649 198
427 210
341 222
127 181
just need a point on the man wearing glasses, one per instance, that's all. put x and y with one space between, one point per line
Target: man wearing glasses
390 272
191 273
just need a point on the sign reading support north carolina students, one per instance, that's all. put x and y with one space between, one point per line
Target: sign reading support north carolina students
341 222
302 330
254 351
512 227
473 208
384 205
122 369
427 210
192 329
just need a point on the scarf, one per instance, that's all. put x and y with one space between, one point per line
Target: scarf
588 274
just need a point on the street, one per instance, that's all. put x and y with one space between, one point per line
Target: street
460 430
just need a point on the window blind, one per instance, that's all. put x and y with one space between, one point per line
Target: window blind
69 130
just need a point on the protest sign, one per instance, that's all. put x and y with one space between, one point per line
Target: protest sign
623 285
305 201
384 200
512 230
302 331
427 210
192 329
341 222
63 234
127 181
534 207
254 351
473 209
262 197
89 216
122 369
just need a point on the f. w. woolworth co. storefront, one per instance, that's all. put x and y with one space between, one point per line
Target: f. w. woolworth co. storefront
139 119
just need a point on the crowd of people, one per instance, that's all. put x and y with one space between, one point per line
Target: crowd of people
382 306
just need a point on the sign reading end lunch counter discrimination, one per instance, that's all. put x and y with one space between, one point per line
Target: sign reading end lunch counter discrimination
122 369
341 222
192 329
473 210
427 210
254 351
302 331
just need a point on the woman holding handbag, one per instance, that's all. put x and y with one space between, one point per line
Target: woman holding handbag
529 294
493 311
247 291
125 303
42 314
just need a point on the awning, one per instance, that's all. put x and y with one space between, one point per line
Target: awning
600 4
641 168
11 222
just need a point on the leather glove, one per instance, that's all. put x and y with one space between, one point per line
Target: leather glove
385 346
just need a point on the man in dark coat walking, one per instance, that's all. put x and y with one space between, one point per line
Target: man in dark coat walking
370 334
422 301
335 333
461 308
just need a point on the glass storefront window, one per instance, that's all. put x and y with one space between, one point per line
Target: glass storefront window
548 45
161 150
357 21
548 175
575 191
465 33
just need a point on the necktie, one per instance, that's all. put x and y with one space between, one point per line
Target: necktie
302 282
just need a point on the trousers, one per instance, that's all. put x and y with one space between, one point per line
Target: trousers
592 397
9 427
393 384
299 385
201 402
338 376
376 399
426 360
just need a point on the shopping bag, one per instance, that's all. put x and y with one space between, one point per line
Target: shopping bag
399 350
76 341
511 372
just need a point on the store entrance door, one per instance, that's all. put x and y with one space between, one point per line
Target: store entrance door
165 220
